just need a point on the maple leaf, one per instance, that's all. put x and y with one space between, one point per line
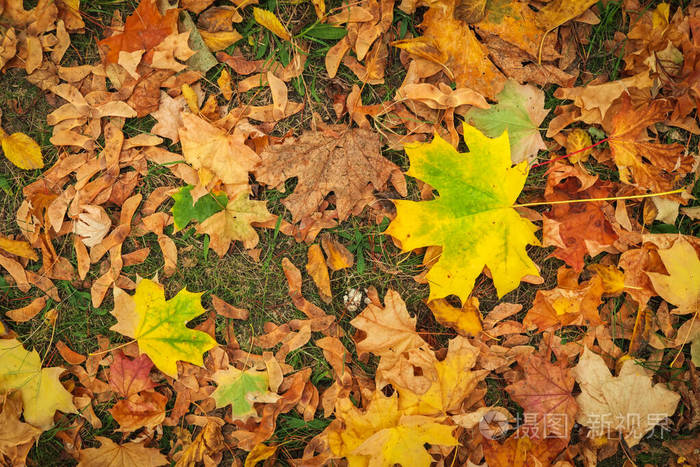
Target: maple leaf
386 330
21 150
384 435
346 162
225 155
185 210
630 148
206 447
576 229
128 377
42 392
519 450
453 382
472 219
629 400
681 286
546 392
144 29
569 304
452 44
240 389
111 454
234 223
466 320
520 110
145 409
158 326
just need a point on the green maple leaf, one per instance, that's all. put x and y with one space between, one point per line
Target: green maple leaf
520 110
473 219
158 326
42 392
241 389
184 210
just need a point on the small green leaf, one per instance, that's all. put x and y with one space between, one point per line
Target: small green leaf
326 32
184 211
240 389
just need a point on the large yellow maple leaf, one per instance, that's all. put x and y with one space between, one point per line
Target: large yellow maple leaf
42 392
158 326
384 435
682 286
472 219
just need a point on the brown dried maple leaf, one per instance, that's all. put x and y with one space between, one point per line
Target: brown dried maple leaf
143 30
546 392
347 162
651 166
580 228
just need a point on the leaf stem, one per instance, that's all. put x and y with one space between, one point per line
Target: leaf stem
614 198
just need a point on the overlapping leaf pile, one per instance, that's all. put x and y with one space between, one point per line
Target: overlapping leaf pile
613 346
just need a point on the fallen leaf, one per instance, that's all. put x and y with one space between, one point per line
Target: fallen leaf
472 220
210 147
628 401
145 409
520 111
259 453
465 320
111 454
143 30
130 376
269 21
18 248
383 435
347 162
185 210
21 150
158 326
41 390
24 314
546 393
235 223
337 256
240 389
681 287
317 269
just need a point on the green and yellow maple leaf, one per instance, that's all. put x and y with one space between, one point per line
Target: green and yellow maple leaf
241 389
158 326
472 219
42 392
520 110
185 210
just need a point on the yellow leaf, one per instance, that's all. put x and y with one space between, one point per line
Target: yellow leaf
269 21
559 12
576 141
42 392
191 98
682 286
320 7
159 325
466 321
224 83
383 435
473 219
339 257
18 248
21 150
219 40
259 453
613 279
226 155
317 269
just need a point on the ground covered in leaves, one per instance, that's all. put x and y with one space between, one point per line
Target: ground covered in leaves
433 232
